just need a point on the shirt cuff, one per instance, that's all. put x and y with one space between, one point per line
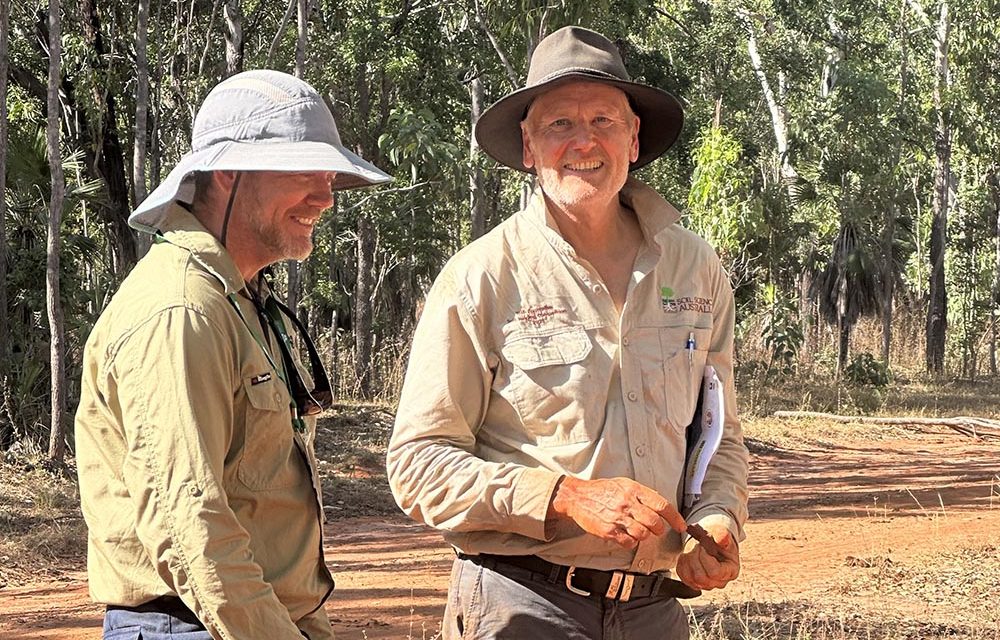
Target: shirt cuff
532 495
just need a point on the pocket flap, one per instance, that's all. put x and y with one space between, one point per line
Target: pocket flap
533 351
266 396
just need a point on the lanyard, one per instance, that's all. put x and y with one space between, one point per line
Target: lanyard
273 319
284 343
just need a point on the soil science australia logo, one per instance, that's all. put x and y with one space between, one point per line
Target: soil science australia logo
670 304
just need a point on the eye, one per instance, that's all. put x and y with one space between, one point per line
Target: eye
603 121
560 123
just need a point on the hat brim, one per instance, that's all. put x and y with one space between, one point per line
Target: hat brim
661 118
352 171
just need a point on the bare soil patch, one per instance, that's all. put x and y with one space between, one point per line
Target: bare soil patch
855 532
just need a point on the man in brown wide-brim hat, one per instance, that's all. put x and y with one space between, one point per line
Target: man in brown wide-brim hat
557 367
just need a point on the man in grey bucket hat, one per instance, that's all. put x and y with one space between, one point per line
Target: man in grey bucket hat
196 421
569 346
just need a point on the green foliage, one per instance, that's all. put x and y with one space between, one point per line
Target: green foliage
866 371
718 206
782 334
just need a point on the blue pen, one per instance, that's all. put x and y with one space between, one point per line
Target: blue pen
690 348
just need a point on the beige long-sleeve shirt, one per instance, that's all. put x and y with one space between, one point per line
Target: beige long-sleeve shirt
522 370
192 480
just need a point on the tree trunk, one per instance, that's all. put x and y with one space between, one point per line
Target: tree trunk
891 212
110 163
363 305
294 276
141 111
4 323
937 308
779 116
477 191
57 439
234 37
844 347
994 187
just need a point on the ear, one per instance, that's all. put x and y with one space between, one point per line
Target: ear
527 158
224 179
633 152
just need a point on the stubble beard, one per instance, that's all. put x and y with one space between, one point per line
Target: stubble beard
281 245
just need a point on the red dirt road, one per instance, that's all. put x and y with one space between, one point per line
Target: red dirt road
816 515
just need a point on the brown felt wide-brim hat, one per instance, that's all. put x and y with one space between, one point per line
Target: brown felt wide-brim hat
574 54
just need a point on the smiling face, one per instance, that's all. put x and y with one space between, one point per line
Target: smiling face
580 138
285 208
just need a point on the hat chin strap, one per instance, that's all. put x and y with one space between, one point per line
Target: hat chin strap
229 208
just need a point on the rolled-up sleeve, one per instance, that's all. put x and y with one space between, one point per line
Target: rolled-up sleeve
434 472
177 378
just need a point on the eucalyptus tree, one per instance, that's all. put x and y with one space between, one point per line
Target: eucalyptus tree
57 353
4 324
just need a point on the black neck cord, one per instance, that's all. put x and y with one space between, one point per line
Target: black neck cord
229 207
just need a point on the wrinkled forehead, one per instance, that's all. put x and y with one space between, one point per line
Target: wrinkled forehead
580 95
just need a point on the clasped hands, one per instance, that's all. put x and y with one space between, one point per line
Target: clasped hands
626 512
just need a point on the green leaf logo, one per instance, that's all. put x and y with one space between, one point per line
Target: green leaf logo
666 293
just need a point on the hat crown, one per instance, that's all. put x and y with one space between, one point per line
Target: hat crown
575 50
262 107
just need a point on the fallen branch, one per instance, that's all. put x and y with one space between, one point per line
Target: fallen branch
966 425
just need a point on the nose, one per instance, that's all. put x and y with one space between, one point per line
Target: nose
584 137
321 189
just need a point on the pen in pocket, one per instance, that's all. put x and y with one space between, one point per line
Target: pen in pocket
689 347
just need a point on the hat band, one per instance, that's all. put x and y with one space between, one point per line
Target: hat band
585 70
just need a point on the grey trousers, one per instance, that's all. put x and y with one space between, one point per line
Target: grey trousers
485 604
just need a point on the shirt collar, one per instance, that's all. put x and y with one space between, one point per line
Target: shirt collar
182 229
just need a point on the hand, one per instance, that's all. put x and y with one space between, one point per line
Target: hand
616 509
698 569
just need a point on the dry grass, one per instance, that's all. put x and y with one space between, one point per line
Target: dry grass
42 532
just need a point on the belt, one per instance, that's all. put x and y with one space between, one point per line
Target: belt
613 585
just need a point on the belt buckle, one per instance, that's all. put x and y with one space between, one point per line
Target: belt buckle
620 587
569 583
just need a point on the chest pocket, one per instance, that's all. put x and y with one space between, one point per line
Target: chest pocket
683 371
547 384
270 459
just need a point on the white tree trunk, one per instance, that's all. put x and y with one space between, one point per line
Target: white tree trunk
779 116
57 439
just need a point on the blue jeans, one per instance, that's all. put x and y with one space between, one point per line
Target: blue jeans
485 604
161 619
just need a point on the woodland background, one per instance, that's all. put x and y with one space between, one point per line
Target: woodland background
842 157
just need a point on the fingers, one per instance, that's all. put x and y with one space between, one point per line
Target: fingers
699 569
663 508
617 509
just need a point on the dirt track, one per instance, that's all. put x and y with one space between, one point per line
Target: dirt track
826 522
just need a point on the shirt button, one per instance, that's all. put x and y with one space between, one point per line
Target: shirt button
632 396
597 288
277 396
640 451
625 341
643 564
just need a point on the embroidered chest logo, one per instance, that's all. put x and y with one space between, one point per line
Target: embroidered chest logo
537 315
670 304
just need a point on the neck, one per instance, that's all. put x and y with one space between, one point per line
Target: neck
594 228
213 219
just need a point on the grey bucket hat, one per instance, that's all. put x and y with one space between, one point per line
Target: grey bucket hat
574 54
259 120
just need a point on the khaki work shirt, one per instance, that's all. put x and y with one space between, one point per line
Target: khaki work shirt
522 370
192 480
